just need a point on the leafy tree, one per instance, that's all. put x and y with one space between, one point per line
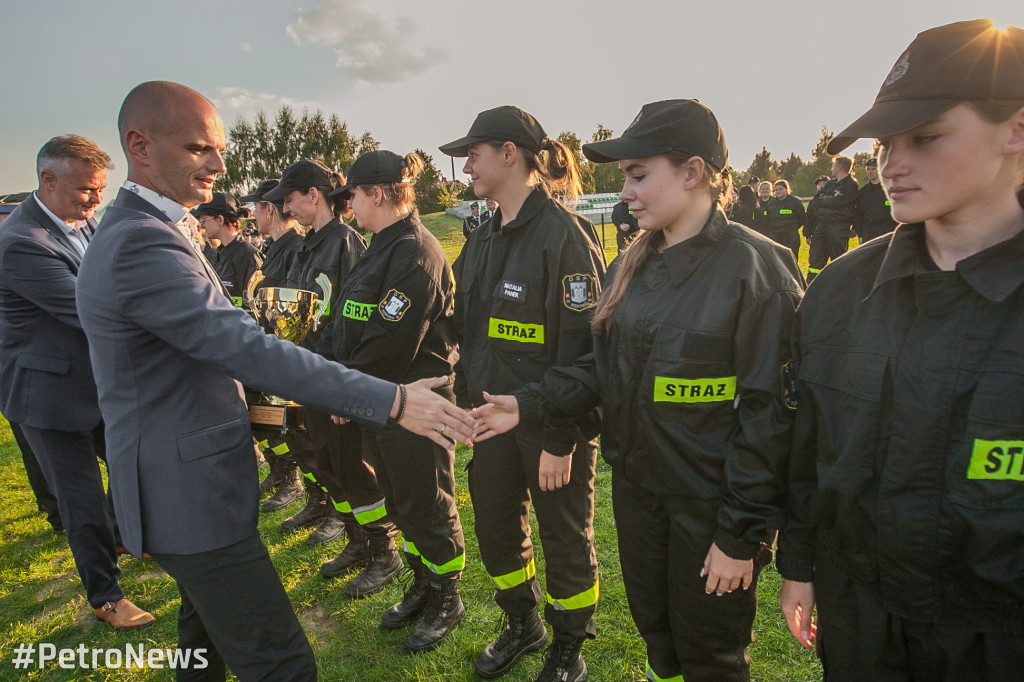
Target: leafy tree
263 148
820 148
572 141
606 176
788 168
763 166
432 191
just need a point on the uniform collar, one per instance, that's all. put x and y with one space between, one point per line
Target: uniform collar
392 232
314 237
683 258
995 273
535 201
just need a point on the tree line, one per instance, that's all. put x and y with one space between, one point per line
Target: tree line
263 147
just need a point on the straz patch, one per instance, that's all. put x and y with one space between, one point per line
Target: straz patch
513 290
790 395
997 460
354 310
511 330
672 390
394 305
578 291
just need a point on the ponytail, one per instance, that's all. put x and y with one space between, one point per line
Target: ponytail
554 167
401 194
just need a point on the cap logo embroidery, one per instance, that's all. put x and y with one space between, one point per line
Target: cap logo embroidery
899 69
633 124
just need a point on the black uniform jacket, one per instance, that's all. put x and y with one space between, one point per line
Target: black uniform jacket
837 202
691 376
333 251
522 301
785 217
394 316
235 262
811 219
761 217
873 208
746 204
908 448
279 259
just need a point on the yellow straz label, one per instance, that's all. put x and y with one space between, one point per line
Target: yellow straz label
997 460
515 331
785 211
354 310
672 390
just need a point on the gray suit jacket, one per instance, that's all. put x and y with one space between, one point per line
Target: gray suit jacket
46 380
167 348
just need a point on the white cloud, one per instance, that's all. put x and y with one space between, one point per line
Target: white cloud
367 47
245 100
245 47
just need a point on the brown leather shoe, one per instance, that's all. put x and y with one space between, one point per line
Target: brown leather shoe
123 615
121 549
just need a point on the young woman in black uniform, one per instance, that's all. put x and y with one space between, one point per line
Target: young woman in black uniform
906 487
526 282
332 248
690 354
395 320
785 218
235 260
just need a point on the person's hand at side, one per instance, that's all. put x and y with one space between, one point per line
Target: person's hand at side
554 471
499 415
428 414
796 600
725 574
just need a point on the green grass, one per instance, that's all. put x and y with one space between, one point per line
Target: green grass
41 598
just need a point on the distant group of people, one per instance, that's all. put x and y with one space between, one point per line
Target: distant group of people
870 423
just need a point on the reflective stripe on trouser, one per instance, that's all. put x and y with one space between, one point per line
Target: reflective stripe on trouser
417 478
663 541
655 677
503 483
339 464
372 512
344 507
577 601
451 566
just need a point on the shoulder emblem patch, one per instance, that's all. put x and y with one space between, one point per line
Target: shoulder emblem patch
578 291
394 306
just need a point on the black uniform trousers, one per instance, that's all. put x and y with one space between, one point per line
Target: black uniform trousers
416 476
340 469
293 445
789 239
503 481
663 541
69 463
859 640
234 606
830 241
45 499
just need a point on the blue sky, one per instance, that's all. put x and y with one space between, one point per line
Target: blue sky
416 73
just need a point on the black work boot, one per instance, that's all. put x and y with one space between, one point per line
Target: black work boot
564 662
311 514
274 478
355 552
413 601
383 562
521 634
331 528
443 611
289 488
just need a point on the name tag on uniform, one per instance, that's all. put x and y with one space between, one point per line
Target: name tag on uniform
513 290
672 390
510 330
997 460
785 211
354 310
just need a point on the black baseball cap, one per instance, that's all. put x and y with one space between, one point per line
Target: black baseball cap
260 192
871 162
753 178
302 174
502 124
822 178
380 167
682 125
222 203
943 67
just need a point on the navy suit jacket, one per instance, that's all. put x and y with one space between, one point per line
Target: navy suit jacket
168 350
46 381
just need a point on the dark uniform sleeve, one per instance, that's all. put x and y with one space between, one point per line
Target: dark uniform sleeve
353 247
847 196
390 341
760 446
578 257
795 558
811 222
564 395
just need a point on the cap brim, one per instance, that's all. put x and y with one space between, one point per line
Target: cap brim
344 190
250 199
891 117
621 148
460 147
279 192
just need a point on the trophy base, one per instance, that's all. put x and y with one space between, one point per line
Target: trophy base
286 416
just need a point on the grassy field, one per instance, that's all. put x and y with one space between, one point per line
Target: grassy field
41 598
